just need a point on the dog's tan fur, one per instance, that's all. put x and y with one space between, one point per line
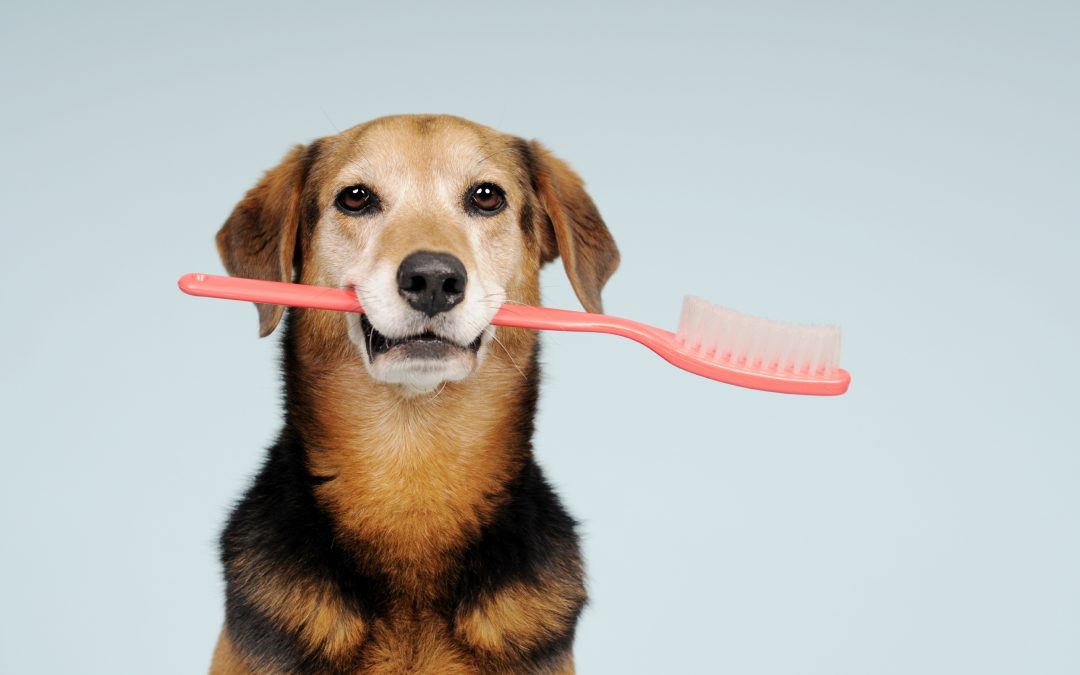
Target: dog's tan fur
409 479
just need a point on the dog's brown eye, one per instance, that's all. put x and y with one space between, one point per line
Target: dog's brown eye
356 198
487 198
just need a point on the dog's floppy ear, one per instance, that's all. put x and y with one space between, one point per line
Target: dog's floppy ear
259 238
572 227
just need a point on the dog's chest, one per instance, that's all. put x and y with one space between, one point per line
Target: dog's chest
417 642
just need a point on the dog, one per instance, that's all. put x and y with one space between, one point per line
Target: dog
400 523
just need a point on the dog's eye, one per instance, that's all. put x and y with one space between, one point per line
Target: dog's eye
487 198
356 198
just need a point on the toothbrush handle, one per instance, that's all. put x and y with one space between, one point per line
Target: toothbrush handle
341 300
269 292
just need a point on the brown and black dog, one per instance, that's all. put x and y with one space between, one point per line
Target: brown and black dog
400 523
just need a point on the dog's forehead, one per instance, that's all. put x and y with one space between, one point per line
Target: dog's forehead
407 147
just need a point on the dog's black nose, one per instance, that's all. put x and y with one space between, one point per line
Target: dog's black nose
431 282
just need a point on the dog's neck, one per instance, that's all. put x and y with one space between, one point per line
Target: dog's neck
410 480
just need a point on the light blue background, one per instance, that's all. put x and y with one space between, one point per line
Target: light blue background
908 170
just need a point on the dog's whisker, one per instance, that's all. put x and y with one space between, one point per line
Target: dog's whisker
510 356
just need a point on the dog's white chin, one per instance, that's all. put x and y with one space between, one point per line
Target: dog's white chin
416 377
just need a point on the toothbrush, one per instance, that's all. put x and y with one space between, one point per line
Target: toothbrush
711 341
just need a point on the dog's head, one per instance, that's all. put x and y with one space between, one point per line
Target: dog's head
434 222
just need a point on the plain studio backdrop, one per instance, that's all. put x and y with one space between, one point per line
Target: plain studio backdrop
907 170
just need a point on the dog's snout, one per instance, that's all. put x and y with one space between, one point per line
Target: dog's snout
431 282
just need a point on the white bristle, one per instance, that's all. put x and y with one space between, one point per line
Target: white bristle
730 337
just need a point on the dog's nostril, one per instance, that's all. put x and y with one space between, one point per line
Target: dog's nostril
452 286
416 283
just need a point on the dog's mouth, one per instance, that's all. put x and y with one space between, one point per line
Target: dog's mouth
426 345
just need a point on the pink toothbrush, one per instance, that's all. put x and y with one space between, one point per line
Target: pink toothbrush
717 343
